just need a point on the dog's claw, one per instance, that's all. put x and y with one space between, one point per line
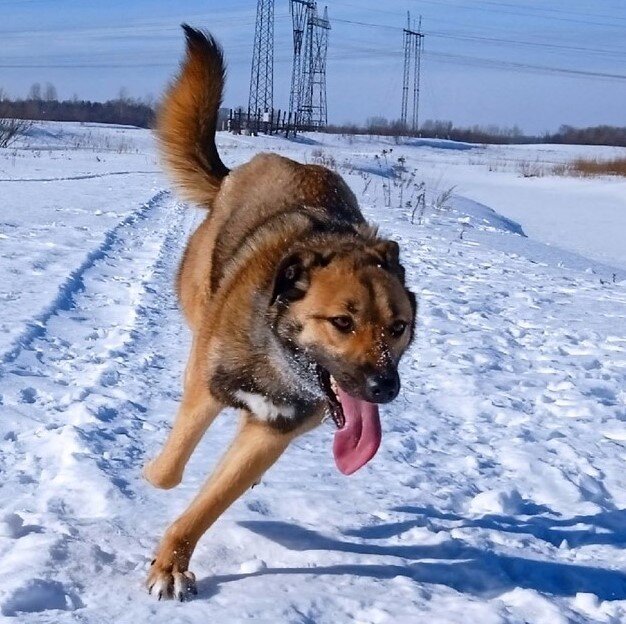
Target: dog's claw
165 583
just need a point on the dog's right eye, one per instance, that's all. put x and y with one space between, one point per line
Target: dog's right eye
397 329
344 324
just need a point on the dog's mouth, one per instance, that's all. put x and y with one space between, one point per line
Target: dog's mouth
331 390
358 432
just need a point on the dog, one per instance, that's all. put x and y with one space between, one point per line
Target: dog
297 307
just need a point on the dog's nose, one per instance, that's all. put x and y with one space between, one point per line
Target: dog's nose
382 387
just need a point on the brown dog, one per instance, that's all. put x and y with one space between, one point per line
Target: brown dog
298 309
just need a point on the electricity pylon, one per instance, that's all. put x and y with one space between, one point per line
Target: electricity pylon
413 46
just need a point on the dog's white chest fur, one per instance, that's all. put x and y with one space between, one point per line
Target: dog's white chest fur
263 408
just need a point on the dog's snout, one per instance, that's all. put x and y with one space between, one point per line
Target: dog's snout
382 387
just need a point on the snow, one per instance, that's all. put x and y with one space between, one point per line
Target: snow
499 492
550 209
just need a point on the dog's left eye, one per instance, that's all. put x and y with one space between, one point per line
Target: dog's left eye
342 323
397 329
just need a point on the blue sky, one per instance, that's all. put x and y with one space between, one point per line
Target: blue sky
482 60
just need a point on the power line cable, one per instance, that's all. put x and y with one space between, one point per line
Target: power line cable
461 37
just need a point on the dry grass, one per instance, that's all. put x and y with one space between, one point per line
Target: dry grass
320 157
12 129
531 169
585 167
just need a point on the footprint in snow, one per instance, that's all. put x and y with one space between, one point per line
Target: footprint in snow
13 527
28 395
39 595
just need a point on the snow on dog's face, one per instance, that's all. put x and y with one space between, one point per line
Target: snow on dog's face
348 310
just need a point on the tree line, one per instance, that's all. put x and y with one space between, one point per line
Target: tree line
42 104
437 129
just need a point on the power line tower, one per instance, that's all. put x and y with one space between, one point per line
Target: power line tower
262 75
299 16
308 80
319 52
413 47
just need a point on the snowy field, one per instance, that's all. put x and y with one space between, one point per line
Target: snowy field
499 492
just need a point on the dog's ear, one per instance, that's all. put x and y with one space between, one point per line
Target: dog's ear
293 276
389 253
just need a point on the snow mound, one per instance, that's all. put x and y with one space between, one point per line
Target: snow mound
482 217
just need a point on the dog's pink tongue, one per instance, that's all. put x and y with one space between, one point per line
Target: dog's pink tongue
358 440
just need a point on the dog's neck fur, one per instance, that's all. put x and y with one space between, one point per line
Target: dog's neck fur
277 381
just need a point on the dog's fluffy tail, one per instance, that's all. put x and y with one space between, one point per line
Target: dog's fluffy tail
187 120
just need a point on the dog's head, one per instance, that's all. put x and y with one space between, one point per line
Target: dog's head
345 305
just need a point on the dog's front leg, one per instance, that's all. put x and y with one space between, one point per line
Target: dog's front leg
196 413
255 448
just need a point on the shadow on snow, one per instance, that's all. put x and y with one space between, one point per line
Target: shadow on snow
454 564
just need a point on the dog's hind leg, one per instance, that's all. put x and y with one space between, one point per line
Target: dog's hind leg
255 448
197 411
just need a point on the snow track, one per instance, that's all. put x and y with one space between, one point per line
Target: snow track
75 283
90 176
61 378
498 495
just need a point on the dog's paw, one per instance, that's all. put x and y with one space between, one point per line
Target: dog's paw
165 583
159 477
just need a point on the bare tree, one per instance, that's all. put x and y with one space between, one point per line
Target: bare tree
376 123
35 91
50 94
11 129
